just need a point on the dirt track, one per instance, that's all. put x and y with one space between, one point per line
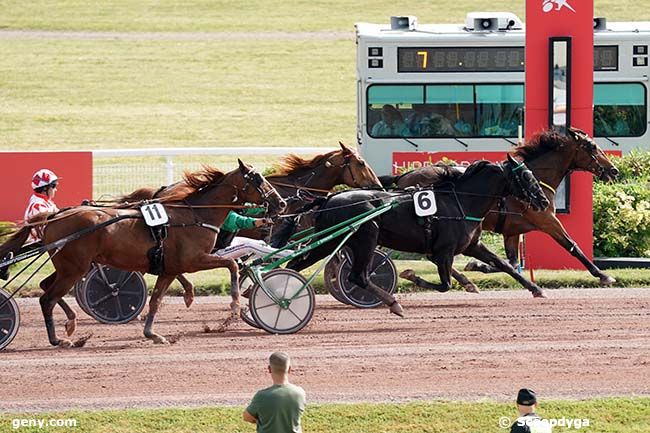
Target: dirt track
578 343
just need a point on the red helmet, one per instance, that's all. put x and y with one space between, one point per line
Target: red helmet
43 177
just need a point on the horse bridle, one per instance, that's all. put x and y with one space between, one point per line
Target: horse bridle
591 149
346 164
254 178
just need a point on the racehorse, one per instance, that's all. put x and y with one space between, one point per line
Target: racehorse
119 237
463 200
550 156
297 180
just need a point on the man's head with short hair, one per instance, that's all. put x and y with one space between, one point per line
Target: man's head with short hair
279 363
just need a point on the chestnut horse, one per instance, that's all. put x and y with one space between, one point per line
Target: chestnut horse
297 180
195 213
550 156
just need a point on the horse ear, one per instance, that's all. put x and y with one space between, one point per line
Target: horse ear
242 166
345 148
512 159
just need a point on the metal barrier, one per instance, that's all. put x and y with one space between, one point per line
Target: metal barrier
120 171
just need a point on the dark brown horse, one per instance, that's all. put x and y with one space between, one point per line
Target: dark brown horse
462 200
195 213
297 180
550 156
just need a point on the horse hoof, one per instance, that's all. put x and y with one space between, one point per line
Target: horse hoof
70 327
396 308
539 294
606 280
157 339
188 298
471 288
65 344
408 274
472 266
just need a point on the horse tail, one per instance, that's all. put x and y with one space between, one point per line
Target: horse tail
18 237
388 181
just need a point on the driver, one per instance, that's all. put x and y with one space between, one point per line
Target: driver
44 183
234 247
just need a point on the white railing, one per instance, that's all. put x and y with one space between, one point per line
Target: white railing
121 171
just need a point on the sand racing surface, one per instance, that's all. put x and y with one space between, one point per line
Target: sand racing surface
578 343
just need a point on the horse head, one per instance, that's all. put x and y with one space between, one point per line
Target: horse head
252 187
524 185
350 169
590 157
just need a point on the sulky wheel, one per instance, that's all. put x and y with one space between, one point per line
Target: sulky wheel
331 275
79 294
382 273
246 288
295 309
9 319
113 296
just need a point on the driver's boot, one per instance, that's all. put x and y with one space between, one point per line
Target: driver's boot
4 272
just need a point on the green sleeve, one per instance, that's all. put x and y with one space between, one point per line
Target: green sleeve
254 406
235 222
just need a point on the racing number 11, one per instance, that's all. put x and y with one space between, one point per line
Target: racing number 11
153 217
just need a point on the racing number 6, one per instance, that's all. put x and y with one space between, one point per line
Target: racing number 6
425 203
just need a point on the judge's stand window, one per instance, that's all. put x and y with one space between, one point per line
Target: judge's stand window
620 110
440 110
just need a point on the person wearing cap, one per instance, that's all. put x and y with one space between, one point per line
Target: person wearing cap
277 409
44 184
528 421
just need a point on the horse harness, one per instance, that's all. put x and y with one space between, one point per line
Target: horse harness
159 233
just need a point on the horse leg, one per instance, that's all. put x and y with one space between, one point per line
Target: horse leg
553 227
469 286
511 246
159 290
363 245
444 269
209 261
71 323
56 286
482 253
188 287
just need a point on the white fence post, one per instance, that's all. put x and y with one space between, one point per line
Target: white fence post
169 167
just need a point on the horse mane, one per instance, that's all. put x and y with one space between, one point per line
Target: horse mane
137 195
194 181
472 169
540 143
441 172
292 163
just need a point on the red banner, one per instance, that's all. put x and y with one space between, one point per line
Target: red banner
75 169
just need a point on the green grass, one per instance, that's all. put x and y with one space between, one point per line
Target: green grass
91 94
217 282
107 94
613 415
268 15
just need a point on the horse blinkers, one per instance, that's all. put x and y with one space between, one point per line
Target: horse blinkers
527 185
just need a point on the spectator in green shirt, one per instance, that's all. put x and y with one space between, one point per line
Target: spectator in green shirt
277 409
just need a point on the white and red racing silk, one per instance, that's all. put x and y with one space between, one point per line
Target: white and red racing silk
38 203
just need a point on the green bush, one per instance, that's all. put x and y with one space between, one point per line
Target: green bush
633 167
621 220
